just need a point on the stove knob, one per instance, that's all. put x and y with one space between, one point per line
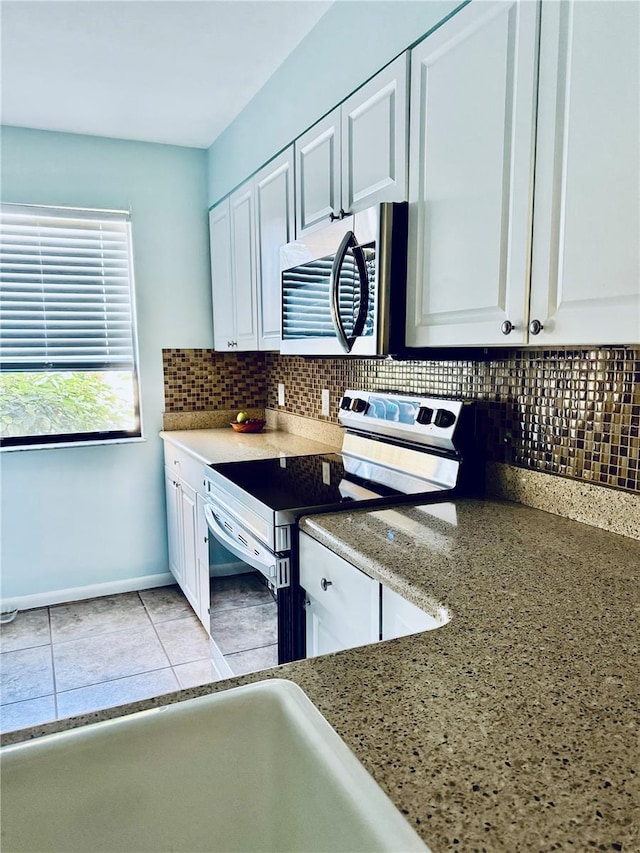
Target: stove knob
444 418
360 406
424 416
345 403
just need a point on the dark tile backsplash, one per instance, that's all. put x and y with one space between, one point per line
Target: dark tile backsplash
569 412
199 380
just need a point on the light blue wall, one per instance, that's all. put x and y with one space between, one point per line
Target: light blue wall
73 517
352 41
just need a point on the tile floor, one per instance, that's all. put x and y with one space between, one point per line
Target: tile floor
244 622
74 658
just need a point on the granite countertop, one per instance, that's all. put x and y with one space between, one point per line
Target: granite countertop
514 726
223 444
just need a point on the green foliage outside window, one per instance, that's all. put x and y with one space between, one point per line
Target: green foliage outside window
65 402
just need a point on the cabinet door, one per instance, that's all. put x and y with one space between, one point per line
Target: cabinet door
202 550
224 330
318 173
586 258
243 267
401 617
473 86
275 226
374 139
174 537
189 519
343 609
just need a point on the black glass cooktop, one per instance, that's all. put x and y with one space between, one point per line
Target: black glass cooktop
297 482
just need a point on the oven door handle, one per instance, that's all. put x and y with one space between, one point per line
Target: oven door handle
273 568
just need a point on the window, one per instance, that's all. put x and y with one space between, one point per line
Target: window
67 326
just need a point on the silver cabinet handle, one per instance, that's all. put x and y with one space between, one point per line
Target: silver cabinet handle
507 327
535 327
333 217
325 584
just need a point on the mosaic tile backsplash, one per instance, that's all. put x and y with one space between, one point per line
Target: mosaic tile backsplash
569 412
199 380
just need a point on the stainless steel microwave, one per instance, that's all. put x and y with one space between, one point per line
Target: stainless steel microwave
344 286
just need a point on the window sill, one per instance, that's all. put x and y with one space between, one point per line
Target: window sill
53 446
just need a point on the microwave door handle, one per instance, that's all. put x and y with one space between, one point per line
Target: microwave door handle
349 242
363 309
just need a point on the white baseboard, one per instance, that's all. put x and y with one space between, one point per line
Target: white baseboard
77 593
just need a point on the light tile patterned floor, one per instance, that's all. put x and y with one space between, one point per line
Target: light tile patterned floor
73 658
244 622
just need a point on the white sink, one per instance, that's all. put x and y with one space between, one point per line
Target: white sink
255 768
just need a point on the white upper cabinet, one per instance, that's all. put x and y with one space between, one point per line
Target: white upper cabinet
275 226
585 285
233 271
246 232
473 87
356 155
243 266
221 281
374 139
318 173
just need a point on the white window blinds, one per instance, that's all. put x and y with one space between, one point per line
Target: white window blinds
65 289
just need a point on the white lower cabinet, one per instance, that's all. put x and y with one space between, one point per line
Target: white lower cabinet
400 617
342 603
186 530
171 488
188 518
346 608
182 527
202 561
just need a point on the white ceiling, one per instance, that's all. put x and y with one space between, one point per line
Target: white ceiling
173 71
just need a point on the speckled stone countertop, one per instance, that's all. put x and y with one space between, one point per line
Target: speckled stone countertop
514 726
226 445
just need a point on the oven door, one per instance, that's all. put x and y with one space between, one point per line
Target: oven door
230 532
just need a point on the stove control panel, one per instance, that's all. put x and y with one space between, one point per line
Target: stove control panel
425 420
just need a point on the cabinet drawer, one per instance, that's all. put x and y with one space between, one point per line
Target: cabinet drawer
181 463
